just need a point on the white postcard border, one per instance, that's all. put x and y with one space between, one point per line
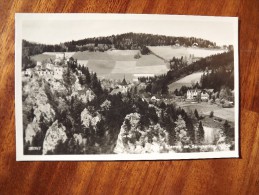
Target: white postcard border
19 17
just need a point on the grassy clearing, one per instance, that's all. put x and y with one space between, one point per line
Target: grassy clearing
122 52
149 60
116 63
60 54
130 67
205 109
187 81
101 66
42 57
86 55
168 52
122 55
124 67
192 78
224 113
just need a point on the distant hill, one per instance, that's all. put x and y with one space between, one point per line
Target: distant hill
219 70
130 41
136 41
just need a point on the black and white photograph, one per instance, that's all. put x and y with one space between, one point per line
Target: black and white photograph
126 87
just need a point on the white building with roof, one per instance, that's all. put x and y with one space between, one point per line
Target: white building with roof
192 94
204 96
49 66
38 63
58 72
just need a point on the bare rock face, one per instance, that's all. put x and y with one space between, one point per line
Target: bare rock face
44 110
106 105
88 119
77 86
153 139
88 96
31 131
56 85
38 100
84 95
55 133
78 138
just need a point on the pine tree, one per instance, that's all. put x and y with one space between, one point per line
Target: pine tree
164 89
69 79
127 125
77 107
100 130
196 114
211 114
87 75
91 135
170 128
200 133
152 114
96 85
162 119
190 128
30 115
228 131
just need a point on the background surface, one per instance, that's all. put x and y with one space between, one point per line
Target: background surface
221 176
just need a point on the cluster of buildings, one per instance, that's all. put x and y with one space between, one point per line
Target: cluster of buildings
48 67
122 87
195 94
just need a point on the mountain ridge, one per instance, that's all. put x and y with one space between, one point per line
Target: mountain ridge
121 41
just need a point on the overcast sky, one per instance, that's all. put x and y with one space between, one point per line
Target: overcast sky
55 31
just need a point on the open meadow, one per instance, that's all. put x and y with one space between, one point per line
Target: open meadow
205 108
187 81
117 63
168 52
42 57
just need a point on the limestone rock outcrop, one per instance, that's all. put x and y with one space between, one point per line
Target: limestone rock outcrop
54 135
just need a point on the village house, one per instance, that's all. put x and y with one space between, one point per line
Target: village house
49 69
123 87
195 45
58 72
204 96
192 94
38 63
177 43
46 74
49 65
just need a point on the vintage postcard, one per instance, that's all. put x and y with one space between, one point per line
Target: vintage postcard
126 87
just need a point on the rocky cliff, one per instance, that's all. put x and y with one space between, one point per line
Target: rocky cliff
131 139
55 133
